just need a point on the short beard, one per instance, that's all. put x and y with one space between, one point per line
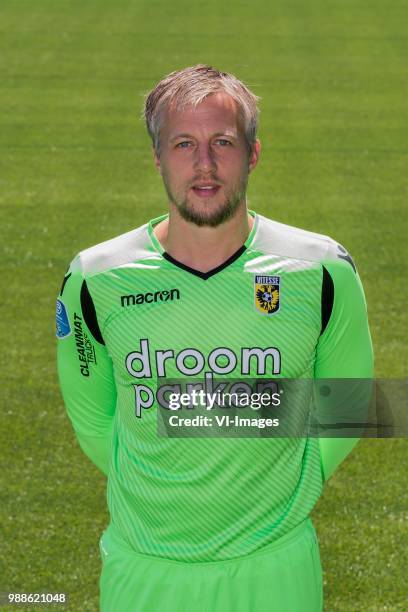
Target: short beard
213 218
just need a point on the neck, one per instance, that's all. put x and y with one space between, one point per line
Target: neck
203 248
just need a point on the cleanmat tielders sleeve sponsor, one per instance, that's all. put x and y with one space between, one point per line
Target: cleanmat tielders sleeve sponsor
84 367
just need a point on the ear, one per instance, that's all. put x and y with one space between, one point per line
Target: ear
254 157
156 159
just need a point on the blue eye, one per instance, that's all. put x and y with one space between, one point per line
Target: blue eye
223 140
182 143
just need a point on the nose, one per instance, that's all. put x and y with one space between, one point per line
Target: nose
204 158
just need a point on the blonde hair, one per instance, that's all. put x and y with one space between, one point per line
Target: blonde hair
191 86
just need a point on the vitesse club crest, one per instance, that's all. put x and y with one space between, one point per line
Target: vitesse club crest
266 294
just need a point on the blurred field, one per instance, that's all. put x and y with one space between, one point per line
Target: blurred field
76 169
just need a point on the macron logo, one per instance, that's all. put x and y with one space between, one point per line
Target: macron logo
150 297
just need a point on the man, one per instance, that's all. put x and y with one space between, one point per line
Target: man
209 289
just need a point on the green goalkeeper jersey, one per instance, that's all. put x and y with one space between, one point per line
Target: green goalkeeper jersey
288 304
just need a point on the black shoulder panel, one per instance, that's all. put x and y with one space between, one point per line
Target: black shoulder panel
89 313
66 277
346 256
327 298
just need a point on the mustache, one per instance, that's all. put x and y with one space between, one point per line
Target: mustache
202 179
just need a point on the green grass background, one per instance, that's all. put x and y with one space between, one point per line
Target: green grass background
76 169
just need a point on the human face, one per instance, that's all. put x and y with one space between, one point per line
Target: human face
205 146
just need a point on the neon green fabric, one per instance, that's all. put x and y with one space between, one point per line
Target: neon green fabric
128 314
285 576
344 350
97 449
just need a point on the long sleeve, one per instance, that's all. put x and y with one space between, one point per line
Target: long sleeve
344 350
85 368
